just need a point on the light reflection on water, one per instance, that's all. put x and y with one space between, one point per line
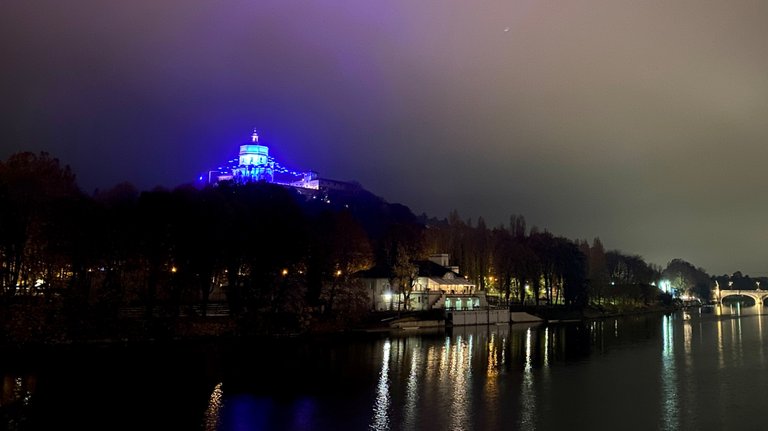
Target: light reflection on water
669 385
649 372
720 354
381 405
17 390
464 378
527 394
458 367
213 412
760 336
491 386
412 394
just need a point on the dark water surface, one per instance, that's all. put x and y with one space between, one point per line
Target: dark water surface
649 372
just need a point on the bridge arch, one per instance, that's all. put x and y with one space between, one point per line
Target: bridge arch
758 296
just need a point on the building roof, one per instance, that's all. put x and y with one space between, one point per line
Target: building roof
427 268
460 281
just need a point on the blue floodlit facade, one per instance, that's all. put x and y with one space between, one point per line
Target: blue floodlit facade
254 164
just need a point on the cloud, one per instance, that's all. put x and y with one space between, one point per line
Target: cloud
639 122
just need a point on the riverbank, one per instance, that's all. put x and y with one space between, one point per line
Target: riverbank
35 326
591 312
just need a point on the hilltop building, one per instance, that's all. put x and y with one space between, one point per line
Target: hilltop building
254 164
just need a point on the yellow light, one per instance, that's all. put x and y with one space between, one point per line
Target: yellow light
285 272
173 269
338 273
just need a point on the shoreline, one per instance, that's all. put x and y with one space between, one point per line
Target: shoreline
217 331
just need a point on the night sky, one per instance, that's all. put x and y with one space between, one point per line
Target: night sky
640 122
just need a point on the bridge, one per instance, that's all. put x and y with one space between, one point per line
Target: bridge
758 295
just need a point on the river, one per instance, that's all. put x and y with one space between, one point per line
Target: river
704 371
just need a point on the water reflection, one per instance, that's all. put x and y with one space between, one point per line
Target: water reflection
546 347
460 369
736 345
720 358
669 386
760 335
412 392
17 393
468 374
458 377
381 405
15 399
246 412
687 340
213 412
643 372
17 390
303 413
527 394
493 362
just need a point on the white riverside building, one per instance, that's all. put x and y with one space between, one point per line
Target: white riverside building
437 286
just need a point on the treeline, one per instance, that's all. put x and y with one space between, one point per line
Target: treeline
522 264
281 258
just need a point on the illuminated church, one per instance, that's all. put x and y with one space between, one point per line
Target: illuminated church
254 164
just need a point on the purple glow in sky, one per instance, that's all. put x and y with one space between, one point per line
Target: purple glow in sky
642 123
